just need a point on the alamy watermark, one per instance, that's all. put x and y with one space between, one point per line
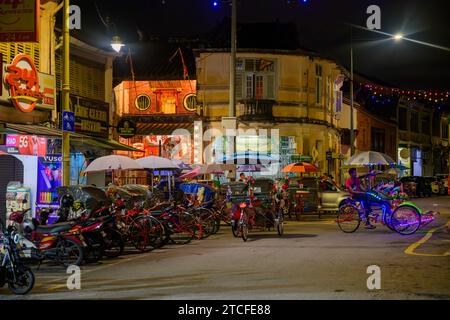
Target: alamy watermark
74 280
373 22
374 280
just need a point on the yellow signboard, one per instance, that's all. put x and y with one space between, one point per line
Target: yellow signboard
19 20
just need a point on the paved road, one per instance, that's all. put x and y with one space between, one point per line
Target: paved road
314 260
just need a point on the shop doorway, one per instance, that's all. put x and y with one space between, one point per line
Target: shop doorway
11 169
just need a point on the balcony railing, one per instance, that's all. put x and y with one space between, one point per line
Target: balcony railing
256 110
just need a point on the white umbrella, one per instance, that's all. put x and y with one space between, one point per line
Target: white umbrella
370 158
113 162
153 162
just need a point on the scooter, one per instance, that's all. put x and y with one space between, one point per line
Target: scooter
60 242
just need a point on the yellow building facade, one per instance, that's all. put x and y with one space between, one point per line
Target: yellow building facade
295 92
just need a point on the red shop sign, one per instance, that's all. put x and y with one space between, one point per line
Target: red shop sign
23 81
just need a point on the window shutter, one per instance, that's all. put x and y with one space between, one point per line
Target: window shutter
12 49
238 86
270 86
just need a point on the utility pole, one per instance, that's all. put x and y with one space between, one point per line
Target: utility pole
352 134
66 93
232 105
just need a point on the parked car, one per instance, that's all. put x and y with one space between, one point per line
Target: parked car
443 178
324 195
416 186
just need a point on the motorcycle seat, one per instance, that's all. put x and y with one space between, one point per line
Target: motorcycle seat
55 228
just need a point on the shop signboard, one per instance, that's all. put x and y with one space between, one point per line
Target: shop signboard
126 128
25 145
49 177
26 88
91 116
19 21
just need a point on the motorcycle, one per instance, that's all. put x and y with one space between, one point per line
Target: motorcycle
60 242
20 279
99 234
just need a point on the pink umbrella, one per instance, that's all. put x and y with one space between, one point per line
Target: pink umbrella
191 174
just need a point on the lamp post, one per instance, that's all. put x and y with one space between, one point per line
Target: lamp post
396 37
66 93
352 134
232 105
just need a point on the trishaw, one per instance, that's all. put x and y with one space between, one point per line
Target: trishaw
253 207
201 198
388 205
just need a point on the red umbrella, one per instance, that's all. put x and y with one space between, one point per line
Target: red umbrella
299 167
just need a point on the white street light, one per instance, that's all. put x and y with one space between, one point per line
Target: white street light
116 43
398 37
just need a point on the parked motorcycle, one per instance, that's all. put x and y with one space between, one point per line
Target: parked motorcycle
60 242
20 279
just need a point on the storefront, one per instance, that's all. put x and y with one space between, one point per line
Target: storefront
26 96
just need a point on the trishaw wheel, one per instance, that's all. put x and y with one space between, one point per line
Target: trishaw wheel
244 231
348 218
280 228
388 221
405 220
234 228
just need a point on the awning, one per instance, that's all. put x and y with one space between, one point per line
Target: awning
162 124
76 139
33 129
162 128
102 143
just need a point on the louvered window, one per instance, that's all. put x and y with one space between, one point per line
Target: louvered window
87 78
12 49
255 79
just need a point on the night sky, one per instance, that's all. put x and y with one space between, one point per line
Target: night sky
322 27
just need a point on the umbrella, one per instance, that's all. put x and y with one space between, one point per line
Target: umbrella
299 167
394 171
191 174
370 158
182 165
113 162
293 167
153 162
214 168
251 168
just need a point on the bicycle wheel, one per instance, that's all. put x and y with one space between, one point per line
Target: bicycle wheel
206 218
405 220
24 281
243 227
157 233
184 231
388 221
234 228
140 233
348 218
279 221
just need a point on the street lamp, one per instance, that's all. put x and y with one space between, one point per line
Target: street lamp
116 43
396 37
